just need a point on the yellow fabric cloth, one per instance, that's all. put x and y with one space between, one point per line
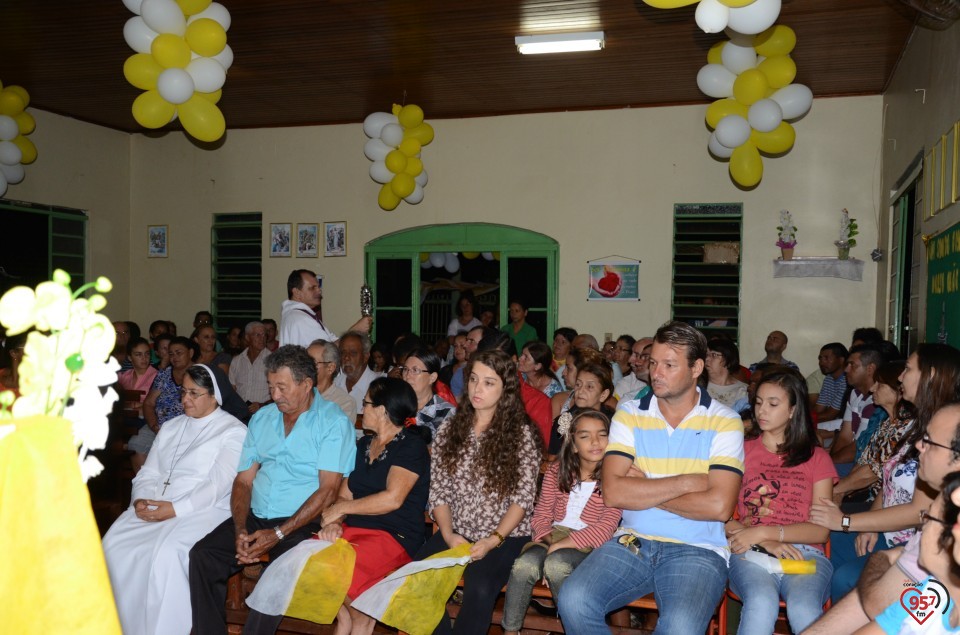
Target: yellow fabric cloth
323 584
54 579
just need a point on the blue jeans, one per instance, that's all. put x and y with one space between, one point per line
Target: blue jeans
760 593
687 583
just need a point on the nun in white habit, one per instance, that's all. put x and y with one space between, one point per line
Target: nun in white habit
181 493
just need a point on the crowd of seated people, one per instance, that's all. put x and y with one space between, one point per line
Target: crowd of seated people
689 476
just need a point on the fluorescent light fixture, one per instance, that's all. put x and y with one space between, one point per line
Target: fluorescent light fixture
560 42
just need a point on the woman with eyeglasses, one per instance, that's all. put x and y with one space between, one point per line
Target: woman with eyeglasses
723 360
163 401
181 493
421 370
930 380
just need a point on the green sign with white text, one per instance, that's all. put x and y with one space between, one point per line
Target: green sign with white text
943 288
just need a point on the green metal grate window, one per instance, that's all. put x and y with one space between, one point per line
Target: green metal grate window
38 239
235 262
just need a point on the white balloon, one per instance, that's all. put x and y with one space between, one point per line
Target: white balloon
375 122
421 179
715 80
416 196
164 16
208 76
755 17
717 149
487 255
712 16
452 263
10 153
795 100
138 35
732 131
392 134
216 12
380 173
175 85
736 58
8 128
765 115
13 173
438 259
133 5
224 57
426 264
376 150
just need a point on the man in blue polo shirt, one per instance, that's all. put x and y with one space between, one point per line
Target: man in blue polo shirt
673 463
295 455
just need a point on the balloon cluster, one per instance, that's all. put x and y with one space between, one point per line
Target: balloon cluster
394 148
450 261
752 75
181 62
16 150
742 16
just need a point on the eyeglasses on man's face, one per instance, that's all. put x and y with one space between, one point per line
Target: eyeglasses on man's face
926 440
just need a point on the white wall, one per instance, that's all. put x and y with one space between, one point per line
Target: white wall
86 167
599 182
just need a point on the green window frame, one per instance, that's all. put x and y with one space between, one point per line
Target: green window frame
510 242
236 268
66 248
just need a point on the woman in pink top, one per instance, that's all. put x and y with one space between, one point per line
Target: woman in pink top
141 376
570 519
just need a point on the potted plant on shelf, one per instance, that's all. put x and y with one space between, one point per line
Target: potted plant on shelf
787 235
848 229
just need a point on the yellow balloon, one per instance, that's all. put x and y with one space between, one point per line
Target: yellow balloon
11 104
151 110
746 166
403 185
25 122
496 255
736 4
424 257
714 55
409 147
777 40
27 148
213 97
410 116
779 70
388 200
170 51
20 90
422 133
142 71
193 7
202 119
723 107
206 37
395 110
414 166
777 141
396 161
470 255
750 86
670 4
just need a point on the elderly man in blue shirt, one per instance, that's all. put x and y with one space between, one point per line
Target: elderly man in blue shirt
296 452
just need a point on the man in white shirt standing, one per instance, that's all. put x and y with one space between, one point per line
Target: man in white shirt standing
248 374
300 321
355 376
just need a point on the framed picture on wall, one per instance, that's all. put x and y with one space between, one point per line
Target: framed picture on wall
280 240
307 240
335 239
156 241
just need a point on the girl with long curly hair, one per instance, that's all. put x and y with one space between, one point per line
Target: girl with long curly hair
484 468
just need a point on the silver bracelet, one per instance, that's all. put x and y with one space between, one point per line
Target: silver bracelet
280 533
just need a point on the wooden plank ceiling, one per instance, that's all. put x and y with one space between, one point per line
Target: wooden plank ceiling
301 62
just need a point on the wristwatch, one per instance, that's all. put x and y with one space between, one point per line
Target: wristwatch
280 535
845 524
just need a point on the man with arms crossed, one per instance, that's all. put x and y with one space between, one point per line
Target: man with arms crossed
296 452
673 464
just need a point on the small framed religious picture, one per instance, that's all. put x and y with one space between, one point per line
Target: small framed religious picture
156 241
335 239
280 240
307 240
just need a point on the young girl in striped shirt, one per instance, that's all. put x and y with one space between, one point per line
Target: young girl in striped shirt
569 520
